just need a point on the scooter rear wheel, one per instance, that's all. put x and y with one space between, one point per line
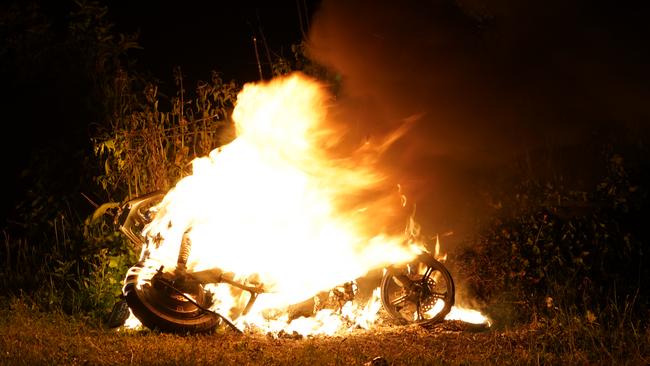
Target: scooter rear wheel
160 307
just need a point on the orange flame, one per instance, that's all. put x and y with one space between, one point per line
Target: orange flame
279 205
287 205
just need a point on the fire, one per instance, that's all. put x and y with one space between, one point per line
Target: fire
468 316
457 312
325 322
287 205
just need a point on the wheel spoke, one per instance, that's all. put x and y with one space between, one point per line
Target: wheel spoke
439 295
398 301
427 273
419 312
398 282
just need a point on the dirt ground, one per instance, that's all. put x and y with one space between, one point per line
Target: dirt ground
30 337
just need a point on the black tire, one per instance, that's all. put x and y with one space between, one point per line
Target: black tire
157 310
411 293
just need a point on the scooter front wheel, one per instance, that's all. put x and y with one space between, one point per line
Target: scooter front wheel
420 292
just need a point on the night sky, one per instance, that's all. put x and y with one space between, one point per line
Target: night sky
201 36
486 82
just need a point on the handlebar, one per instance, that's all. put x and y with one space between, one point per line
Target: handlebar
137 215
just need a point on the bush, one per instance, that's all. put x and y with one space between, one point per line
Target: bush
56 249
552 248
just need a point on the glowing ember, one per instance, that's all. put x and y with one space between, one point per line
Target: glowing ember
285 205
325 322
468 316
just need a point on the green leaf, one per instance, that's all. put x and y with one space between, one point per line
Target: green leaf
101 210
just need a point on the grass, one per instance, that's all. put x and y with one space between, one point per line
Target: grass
28 336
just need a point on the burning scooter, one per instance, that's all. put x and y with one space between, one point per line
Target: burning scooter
297 204
177 300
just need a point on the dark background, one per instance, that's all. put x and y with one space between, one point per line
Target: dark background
200 36
500 91
47 116
487 82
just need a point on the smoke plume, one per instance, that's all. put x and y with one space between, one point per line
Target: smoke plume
483 84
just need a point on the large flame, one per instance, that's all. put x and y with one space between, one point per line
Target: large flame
286 204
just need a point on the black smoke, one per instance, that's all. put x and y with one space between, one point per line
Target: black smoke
489 84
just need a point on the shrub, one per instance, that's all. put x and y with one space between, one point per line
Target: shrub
552 248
